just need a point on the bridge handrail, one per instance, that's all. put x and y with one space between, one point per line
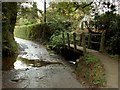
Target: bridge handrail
83 41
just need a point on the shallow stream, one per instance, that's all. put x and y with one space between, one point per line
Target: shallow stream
35 67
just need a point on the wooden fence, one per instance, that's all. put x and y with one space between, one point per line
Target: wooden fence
82 40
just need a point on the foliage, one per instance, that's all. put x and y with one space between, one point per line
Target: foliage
27 15
62 17
68 9
89 59
110 23
28 22
105 18
56 39
56 22
113 35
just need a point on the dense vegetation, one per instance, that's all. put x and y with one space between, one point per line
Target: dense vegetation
110 21
66 18
9 14
27 16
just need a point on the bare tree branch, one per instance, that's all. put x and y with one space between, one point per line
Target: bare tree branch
83 6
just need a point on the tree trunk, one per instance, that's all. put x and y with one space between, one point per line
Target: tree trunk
9 14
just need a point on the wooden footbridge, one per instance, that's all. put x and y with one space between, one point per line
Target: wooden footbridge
83 41
79 42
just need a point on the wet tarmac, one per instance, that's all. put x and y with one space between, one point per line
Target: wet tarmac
35 67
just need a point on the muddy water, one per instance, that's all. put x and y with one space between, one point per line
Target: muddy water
35 67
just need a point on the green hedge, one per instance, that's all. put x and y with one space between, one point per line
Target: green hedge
32 32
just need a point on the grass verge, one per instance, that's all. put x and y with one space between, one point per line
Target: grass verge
91 72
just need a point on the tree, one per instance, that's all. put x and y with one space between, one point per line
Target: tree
70 10
110 21
44 11
64 17
28 15
9 14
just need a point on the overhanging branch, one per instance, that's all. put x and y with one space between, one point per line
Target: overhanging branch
83 6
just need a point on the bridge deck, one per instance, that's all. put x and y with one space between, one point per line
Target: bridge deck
81 48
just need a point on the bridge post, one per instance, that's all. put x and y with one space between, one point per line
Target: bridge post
89 40
83 44
102 41
68 40
63 40
80 39
74 41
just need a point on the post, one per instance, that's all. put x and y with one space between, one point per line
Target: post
74 41
89 40
83 44
44 11
80 39
44 27
63 40
102 42
68 40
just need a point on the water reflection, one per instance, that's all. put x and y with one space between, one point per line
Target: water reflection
22 63
18 62
30 55
8 62
19 65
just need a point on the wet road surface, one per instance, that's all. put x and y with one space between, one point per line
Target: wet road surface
35 67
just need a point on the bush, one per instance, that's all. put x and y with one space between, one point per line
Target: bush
56 39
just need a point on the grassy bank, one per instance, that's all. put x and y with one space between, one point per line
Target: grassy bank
90 69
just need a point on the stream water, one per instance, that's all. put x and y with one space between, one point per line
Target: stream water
35 67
